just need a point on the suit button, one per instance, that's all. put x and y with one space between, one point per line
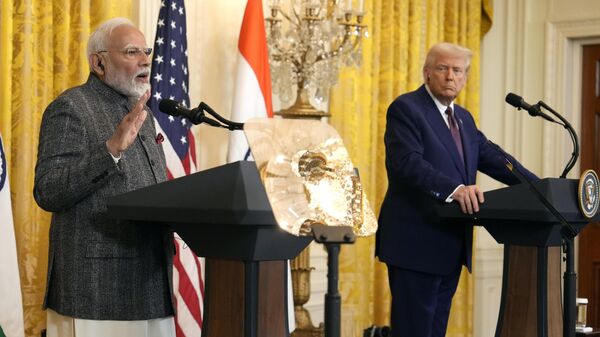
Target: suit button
143 138
151 162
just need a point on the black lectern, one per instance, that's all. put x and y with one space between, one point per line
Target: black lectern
224 215
530 304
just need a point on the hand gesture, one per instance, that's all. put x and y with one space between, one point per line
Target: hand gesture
469 198
129 127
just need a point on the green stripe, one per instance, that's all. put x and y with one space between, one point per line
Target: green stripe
2 332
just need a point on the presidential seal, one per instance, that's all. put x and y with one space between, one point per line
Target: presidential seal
588 194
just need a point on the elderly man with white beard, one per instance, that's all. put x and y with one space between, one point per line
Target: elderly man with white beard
105 277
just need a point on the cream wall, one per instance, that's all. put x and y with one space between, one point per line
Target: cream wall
534 50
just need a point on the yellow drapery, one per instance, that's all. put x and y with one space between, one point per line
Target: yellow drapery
401 32
42 53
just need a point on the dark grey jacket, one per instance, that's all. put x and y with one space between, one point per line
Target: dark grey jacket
100 268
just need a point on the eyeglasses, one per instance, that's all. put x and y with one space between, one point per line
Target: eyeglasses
131 52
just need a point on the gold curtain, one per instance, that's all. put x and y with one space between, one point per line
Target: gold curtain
42 53
401 32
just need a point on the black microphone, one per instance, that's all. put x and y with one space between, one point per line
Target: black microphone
534 110
519 103
174 108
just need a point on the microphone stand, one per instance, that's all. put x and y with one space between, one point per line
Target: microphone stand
331 237
198 117
574 139
224 123
570 277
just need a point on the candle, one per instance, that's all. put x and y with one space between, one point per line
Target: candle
348 5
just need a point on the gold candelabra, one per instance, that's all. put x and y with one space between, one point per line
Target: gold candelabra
309 40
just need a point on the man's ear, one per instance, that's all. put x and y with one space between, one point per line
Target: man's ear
97 64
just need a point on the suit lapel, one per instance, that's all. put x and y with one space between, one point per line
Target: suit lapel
438 124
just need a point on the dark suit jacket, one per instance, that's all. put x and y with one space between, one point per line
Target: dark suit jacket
423 168
100 268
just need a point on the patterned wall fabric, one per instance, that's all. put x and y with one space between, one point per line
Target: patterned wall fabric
42 53
401 32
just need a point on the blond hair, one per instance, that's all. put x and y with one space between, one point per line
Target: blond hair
448 48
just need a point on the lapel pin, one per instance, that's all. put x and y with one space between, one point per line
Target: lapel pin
159 138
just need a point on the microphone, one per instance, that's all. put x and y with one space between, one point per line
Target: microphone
534 110
519 103
196 116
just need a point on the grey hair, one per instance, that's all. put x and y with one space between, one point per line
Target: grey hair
448 48
99 38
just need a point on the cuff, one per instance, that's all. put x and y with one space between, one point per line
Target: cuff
448 200
115 159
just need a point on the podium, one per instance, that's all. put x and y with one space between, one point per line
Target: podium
531 287
223 214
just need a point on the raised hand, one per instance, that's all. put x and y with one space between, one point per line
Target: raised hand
129 127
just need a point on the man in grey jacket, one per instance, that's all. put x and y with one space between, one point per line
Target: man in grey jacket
97 140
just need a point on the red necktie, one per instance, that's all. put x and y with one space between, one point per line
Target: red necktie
454 131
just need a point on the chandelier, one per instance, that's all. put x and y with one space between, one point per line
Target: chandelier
309 40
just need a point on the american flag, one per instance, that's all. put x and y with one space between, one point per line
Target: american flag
169 79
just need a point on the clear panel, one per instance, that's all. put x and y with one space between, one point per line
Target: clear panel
308 176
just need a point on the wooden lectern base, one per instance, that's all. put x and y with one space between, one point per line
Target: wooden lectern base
245 299
530 283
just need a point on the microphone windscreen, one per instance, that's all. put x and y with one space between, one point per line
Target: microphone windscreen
514 100
169 106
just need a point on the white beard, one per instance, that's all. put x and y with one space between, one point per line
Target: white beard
127 86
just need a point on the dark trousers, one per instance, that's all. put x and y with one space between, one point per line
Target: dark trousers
421 302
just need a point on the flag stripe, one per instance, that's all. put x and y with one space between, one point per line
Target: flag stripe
192 152
248 102
186 324
252 45
186 288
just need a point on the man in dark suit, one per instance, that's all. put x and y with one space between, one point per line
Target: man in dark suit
97 140
433 152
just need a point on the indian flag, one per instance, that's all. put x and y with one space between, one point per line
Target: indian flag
252 95
252 90
11 306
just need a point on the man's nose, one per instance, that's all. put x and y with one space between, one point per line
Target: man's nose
146 60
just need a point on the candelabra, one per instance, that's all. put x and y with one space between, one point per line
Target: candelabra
309 40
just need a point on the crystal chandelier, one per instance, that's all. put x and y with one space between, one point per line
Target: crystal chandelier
309 40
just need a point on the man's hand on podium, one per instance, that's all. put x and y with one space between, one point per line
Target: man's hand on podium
469 198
